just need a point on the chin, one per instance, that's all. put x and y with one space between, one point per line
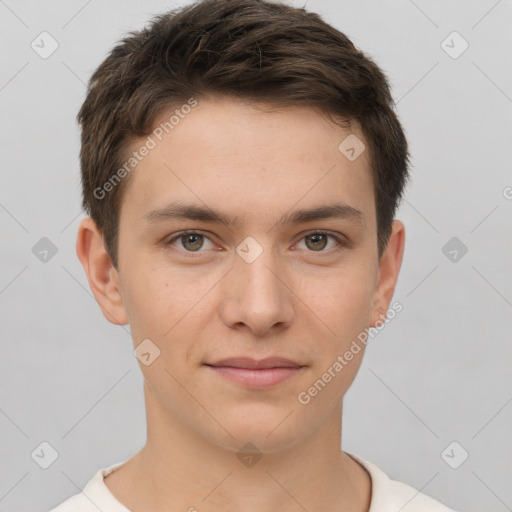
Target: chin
273 432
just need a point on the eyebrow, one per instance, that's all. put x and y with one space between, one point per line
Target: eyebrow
205 214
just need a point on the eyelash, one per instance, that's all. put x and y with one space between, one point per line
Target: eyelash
339 240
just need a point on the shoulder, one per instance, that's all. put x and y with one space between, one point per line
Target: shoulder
390 495
95 496
77 503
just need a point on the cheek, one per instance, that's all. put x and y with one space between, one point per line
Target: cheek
149 300
341 298
168 304
341 309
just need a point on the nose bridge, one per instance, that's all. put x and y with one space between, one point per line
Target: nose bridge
257 295
257 266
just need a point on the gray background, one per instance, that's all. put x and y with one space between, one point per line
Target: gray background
438 373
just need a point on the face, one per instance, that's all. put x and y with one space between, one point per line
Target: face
283 265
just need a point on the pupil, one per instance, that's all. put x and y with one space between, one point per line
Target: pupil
193 239
317 239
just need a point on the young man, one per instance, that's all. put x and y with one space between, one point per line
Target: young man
241 166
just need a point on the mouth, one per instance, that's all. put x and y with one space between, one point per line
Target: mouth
256 374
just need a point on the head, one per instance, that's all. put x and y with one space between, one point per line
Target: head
235 115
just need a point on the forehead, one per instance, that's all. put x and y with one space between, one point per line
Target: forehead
248 158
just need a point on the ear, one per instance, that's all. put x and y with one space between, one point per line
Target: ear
389 268
101 274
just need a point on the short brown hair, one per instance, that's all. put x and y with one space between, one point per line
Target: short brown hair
250 49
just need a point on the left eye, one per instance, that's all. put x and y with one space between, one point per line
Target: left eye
193 241
319 240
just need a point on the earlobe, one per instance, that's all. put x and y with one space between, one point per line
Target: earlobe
389 268
102 276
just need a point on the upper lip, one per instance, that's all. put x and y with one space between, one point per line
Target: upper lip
248 362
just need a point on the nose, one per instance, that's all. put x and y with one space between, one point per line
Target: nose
256 295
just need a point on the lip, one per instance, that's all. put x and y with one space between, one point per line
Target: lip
254 364
254 373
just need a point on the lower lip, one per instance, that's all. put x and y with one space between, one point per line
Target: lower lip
261 378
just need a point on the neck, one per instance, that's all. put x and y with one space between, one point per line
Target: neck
178 469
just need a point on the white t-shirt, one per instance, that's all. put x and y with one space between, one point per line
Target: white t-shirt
387 495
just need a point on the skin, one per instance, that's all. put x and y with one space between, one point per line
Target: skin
296 300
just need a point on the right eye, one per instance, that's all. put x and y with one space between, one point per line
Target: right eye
190 241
